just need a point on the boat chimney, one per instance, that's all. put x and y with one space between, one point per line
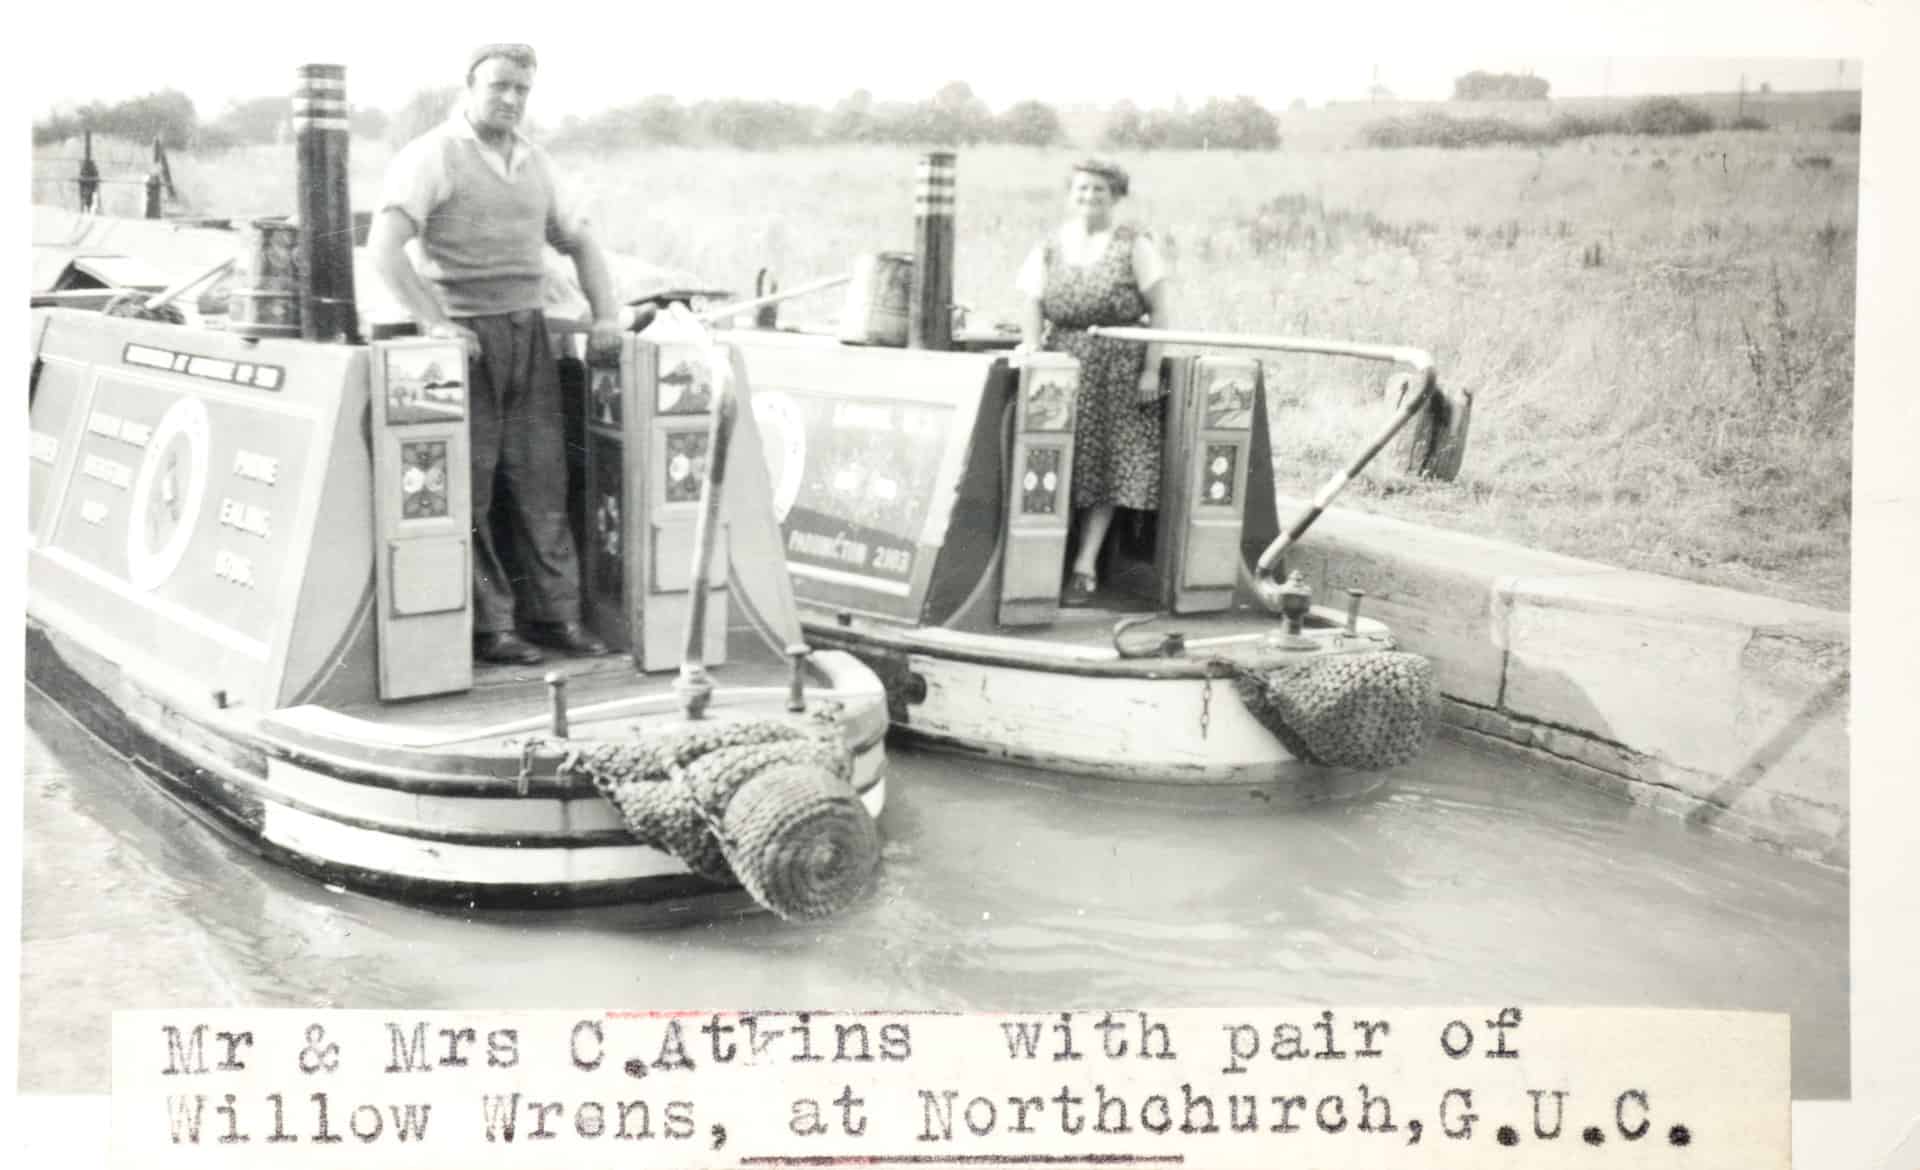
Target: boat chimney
930 311
89 175
320 128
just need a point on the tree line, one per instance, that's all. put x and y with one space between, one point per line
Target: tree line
952 116
169 117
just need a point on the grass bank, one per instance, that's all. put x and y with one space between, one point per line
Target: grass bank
1658 333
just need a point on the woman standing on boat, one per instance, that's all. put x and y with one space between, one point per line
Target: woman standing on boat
1093 271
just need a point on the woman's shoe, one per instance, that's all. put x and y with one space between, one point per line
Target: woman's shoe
1079 590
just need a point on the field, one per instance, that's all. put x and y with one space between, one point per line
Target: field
1658 333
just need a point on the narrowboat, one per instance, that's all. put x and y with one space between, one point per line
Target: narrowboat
249 573
922 476
924 503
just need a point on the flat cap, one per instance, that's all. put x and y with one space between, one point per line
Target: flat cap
521 55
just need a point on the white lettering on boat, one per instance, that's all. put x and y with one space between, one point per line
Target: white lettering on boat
257 467
207 367
107 471
838 548
125 430
146 355
231 566
202 366
246 517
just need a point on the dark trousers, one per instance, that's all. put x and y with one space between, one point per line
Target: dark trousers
519 465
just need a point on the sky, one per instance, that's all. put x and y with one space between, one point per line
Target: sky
818 52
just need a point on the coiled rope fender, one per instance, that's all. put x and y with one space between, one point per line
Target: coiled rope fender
1367 710
768 803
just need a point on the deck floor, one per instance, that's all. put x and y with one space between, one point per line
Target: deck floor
503 693
1092 625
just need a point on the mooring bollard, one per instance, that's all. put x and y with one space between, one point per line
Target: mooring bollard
153 196
1296 598
930 311
797 676
557 694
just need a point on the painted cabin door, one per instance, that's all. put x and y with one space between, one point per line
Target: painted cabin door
1038 495
422 517
1209 444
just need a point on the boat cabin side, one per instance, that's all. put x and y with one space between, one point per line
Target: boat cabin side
935 487
271 522
289 522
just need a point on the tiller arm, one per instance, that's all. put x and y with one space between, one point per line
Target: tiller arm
1419 361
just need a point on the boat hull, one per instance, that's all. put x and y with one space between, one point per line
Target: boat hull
450 827
1168 720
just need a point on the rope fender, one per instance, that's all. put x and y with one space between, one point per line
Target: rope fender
767 803
1370 710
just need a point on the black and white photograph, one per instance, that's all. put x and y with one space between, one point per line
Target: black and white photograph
1480 569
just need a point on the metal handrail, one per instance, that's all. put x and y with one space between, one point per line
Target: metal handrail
1418 360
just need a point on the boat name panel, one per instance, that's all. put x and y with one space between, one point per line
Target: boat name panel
861 474
202 490
260 377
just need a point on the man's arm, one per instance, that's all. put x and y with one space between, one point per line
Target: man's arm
596 280
387 242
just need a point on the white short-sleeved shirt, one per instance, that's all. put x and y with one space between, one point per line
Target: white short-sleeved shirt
483 220
417 179
1079 248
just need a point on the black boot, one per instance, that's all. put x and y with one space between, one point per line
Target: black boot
571 637
506 648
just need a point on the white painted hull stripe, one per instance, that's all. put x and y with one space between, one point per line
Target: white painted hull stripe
326 841
411 812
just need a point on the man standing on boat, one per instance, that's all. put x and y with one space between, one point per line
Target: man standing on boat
482 201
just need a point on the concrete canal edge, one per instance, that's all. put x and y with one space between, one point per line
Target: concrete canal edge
1723 707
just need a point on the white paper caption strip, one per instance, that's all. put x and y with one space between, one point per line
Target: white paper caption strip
1215 1088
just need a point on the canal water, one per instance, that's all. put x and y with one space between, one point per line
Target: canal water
1465 878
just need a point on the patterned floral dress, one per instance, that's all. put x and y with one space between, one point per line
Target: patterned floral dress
1116 449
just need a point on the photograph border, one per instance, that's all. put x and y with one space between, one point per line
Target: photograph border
1868 1129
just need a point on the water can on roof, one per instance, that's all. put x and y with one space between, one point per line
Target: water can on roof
265 301
876 312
